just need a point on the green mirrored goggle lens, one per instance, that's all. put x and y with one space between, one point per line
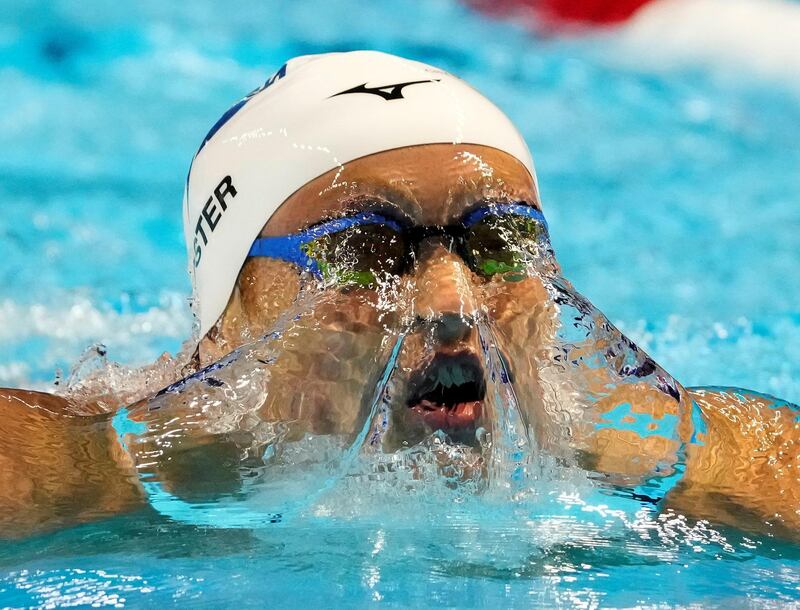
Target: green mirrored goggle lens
500 244
360 255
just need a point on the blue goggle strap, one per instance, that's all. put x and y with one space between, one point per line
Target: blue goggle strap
502 209
290 247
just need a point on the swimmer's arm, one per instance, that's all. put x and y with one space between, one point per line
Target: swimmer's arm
743 471
59 465
741 456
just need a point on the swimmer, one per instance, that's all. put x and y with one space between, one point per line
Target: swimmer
360 203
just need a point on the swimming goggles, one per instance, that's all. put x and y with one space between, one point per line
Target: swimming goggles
366 246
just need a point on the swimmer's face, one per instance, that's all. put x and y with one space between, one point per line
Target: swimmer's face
449 264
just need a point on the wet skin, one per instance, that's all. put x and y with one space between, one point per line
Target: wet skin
740 449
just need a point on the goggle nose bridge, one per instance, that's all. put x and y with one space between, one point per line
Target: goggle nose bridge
453 236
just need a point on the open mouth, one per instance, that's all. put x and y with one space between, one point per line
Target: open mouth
448 394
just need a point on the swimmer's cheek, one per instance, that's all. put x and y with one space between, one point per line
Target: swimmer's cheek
317 413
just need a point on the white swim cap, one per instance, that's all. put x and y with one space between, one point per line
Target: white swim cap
316 113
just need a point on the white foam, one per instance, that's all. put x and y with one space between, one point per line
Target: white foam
80 319
760 37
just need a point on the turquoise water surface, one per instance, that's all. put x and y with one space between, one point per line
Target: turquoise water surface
672 199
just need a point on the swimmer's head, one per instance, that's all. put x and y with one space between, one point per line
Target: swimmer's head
316 117
411 202
427 239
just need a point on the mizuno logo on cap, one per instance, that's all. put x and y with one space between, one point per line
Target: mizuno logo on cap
387 92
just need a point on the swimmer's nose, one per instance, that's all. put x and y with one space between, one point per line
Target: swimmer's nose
452 327
443 292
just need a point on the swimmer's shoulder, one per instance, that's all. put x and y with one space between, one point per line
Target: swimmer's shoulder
14 400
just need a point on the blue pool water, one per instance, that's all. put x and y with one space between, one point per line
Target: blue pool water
671 194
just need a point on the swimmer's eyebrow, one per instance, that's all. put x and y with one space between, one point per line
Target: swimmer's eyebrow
392 210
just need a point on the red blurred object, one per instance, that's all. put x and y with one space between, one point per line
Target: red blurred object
591 11
575 11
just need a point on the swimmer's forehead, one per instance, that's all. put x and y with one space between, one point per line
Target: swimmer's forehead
432 184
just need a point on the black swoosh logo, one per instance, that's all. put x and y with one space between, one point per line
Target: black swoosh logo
387 92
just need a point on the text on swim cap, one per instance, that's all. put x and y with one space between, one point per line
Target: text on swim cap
211 215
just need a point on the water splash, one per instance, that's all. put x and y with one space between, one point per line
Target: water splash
512 462
210 452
